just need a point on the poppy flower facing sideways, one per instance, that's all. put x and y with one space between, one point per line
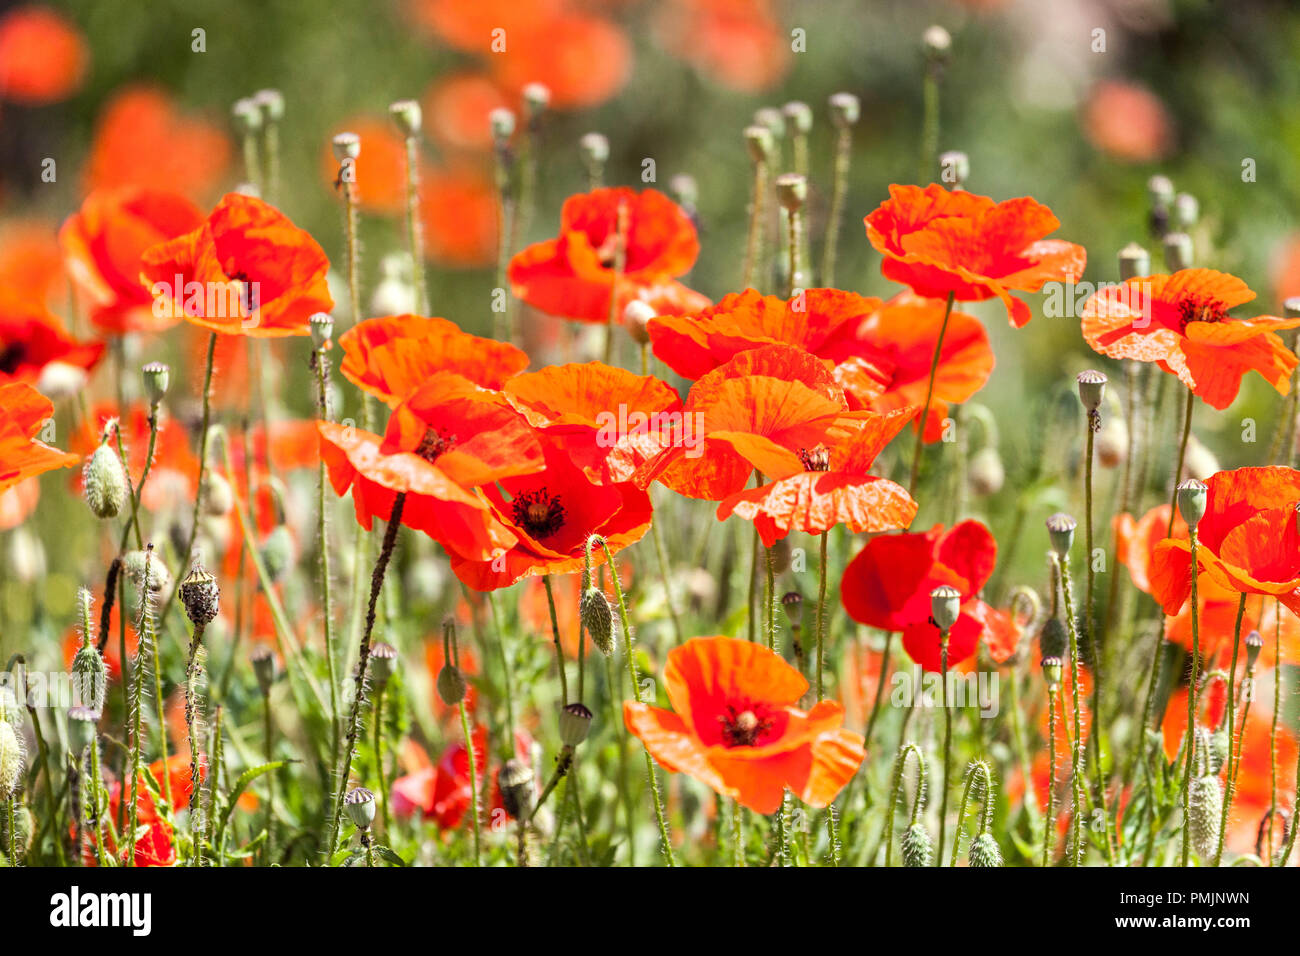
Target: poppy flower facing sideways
888 584
1181 322
102 245
448 437
23 413
1248 540
573 275
836 487
32 339
392 355
247 270
940 243
736 727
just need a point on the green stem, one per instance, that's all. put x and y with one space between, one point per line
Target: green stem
1232 777
824 566
1078 745
414 232
839 191
321 364
929 397
1049 822
1191 703
947 746
559 651
473 783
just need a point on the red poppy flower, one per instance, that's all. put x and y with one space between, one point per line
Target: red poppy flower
142 139
764 410
551 513
31 338
43 57
589 65
456 110
23 413
443 793
1127 121
836 487
458 211
1181 322
888 586
102 245
468 24
247 270
940 242
573 275
1249 540
447 438
737 43
609 418
392 355
736 727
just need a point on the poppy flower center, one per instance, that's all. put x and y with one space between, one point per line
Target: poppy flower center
538 513
742 727
816 459
1193 308
246 290
11 356
433 444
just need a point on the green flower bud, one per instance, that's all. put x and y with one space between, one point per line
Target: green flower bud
1216 751
1193 495
133 565
986 474
575 723
105 482
1060 530
201 595
451 685
360 805
918 849
985 851
13 763
515 780
278 553
1206 807
11 712
598 618
23 827
157 376
90 676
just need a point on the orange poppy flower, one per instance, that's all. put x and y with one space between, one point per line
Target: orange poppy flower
1127 121
836 487
469 24
736 727
458 210
247 270
448 437
142 139
1249 540
591 62
940 242
23 413
31 264
551 513
43 57
391 355
888 584
456 108
573 275
763 410
173 477
609 418
31 337
737 43
1181 322
102 245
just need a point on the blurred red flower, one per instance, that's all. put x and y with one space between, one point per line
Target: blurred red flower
1127 121
456 109
458 210
32 337
43 57
737 43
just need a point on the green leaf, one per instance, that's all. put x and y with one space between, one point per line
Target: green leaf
389 855
242 782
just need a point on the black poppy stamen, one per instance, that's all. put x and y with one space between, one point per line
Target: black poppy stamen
538 513
433 444
816 459
11 356
247 297
741 727
1195 309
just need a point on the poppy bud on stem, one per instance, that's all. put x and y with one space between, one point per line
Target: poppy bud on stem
1060 529
409 119
945 608
917 847
845 110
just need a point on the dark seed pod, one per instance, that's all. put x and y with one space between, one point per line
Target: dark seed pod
383 662
918 850
598 619
1053 639
515 778
263 661
201 595
575 723
792 604
985 851
451 685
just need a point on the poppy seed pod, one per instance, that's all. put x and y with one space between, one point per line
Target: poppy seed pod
1205 808
451 685
918 849
346 146
760 142
271 104
770 117
515 779
985 851
90 675
986 474
937 43
791 191
1053 638
1186 210
1192 498
383 662
1052 673
200 595
598 618
955 167
1178 251
575 724
408 117
595 149
105 482
157 376
502 123
1060 530
82 722
12 761
536 96
1254 644
218 498
1134 261
636 319
1092 389
322 329
845 110
945 606
247 114
1160 190
263 661
792 604
278 553
798 116
360 804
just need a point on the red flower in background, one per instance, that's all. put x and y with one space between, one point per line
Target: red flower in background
458 210
264 275
940 242
1181 322
380 168
888 586
1127 121
456 110
31 338
102 245
31 263
736 727
582 60
573 275
737 43
43 57
23 413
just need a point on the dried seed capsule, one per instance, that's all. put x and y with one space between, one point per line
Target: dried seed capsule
360 805
1160 190
1178 251
760 142
271 103
798 116
598 618
918 849
322 329
201 595
771 119
845 110
247 114
595 149
12 761
451 685
515 779
105 482
1060 530
1186 210
346 146
1092 389
90 676
575 723
1204 811
985 851
157 376
1193 496
791 191
945 606
383 662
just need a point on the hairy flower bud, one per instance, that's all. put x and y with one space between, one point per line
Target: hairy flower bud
90 676
105 482
1205 808
133 565
12 761
502 123
218 498
985 851
1112 442
515 779
598 618
918 848
22 826
1053 639
11 712
278 553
